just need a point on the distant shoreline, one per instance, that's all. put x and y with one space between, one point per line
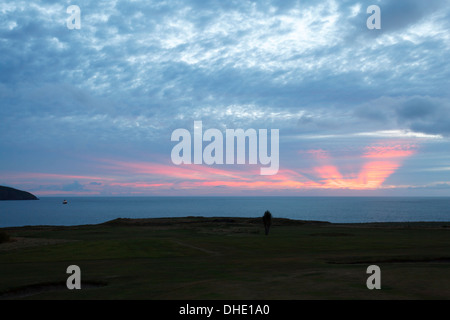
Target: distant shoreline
11 194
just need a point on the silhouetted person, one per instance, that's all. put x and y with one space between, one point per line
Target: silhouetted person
267 219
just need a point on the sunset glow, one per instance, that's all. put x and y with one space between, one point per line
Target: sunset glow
371 168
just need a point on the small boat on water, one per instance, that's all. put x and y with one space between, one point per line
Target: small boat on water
65 202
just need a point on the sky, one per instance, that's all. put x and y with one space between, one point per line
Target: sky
91 111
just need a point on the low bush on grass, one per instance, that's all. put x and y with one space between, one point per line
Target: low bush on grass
4 237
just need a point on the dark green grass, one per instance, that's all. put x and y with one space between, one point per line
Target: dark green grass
232 260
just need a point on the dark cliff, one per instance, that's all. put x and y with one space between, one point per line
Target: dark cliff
7 193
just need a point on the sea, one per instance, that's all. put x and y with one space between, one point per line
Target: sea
94 210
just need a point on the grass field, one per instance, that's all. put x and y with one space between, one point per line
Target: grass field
227 258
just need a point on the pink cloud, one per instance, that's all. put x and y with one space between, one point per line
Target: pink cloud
390 151
60 192
50 176
191 172
366 171
319 154
388 159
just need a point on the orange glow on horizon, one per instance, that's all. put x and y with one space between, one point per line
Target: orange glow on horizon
374 165
371 175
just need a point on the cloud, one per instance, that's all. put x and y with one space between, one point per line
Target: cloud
401 14
74 186
390 151
425 114
136 71
417 108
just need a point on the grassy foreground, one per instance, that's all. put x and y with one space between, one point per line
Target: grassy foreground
227 258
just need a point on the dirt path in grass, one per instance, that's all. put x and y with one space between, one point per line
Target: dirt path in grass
20 242
195 247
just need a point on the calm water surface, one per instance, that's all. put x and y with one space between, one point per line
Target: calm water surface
93 210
